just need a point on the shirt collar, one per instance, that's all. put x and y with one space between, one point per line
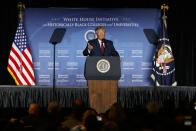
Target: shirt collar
100 43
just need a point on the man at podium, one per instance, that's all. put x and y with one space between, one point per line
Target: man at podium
100 46
101 72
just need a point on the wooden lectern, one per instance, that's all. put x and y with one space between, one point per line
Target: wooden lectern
102 74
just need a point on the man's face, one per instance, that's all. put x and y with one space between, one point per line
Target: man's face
100 34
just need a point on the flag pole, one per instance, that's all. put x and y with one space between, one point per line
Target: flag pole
20 6
165 8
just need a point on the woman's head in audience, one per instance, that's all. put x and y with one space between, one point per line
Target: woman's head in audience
116 113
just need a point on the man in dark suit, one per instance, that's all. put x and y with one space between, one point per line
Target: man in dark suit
100 46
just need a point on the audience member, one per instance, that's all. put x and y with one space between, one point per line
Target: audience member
75 117
91 123
117 115
82 127
52 120
32 121
147 118
110 126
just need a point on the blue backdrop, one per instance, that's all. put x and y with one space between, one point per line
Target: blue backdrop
124 27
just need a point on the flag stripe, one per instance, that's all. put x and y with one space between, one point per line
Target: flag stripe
29 79
24 60
29 62
28 73
29 54
16 73
17 63
18 68
14 59
25 77
26 64
16 52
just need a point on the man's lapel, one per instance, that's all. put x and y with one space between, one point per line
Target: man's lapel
98 45
106 47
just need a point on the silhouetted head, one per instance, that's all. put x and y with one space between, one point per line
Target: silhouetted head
34 109
116 113
53 107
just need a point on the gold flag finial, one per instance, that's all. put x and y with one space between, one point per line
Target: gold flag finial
165 8
20 6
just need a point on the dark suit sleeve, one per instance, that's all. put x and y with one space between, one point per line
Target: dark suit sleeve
85 51
114 52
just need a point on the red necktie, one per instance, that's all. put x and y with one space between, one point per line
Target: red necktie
102 48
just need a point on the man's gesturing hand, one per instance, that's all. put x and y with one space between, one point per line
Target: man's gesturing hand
90 47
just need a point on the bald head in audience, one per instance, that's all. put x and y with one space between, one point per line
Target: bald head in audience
34 109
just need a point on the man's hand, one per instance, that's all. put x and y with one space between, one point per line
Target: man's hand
120 59
90 47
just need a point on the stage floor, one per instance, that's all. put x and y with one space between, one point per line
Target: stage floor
129 97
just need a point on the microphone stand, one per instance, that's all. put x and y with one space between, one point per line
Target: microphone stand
54 80
56 37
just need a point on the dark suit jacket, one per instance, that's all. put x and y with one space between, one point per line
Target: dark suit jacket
109 49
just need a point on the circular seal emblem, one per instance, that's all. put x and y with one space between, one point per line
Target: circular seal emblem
103 66
90 35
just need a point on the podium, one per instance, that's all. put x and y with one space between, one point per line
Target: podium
102 74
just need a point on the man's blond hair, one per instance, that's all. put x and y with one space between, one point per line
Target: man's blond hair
99 28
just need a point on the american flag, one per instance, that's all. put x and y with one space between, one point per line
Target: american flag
20 64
